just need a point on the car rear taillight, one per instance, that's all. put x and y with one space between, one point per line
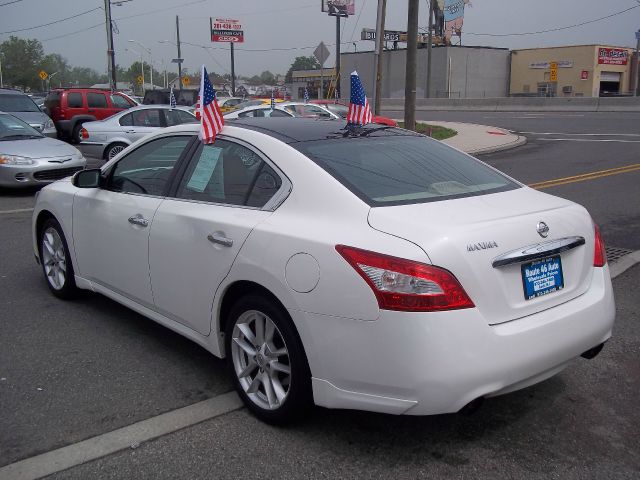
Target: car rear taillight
405 285
84 133
599 253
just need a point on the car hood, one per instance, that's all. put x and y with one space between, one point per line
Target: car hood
44 147
32 118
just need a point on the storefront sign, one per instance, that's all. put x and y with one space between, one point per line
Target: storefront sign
226 30
547 65
612 56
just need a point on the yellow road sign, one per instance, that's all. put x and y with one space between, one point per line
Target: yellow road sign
43 75
139 79
186 80
553 67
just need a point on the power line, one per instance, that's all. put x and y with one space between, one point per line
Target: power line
9 3
357 20
552 29
52 23
160 10
73 33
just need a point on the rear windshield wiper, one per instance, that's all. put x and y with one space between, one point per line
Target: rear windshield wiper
359 131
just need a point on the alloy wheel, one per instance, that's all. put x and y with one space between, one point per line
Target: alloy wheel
115 150
54 258
261 360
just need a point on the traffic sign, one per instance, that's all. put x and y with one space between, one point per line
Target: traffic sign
186 81
139 79
43 75
321 53
553 66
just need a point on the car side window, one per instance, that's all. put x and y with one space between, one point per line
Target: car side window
229 173
278 113
249 114
147 118
178 117
119 101
74 100
148 168
126 120
96 100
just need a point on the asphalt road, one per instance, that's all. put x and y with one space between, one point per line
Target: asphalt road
71 371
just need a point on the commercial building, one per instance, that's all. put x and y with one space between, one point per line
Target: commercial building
580 71
456 72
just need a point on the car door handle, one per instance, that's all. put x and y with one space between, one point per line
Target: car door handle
138 219
221 239
129 131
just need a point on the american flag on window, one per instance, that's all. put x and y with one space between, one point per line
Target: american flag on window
359 111
211 121
306 95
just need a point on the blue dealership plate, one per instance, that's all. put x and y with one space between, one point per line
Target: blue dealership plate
542 277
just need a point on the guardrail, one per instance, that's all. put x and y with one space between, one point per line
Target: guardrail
515 104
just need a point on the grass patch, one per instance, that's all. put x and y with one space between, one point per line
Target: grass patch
439 133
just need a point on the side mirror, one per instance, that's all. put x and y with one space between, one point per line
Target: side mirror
87 178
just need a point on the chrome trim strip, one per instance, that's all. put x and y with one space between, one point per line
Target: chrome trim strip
538 250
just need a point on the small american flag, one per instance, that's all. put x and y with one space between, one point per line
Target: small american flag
306 95
211 117
359 111
273 100
172 99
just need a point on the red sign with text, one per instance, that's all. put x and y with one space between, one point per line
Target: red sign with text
226 30
584 75
612 56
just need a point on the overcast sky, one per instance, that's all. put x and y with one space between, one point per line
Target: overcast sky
276 31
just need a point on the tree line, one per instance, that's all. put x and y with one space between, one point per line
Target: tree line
23 59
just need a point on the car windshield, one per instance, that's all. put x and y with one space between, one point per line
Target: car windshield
17 103
338 109
12 128
392 169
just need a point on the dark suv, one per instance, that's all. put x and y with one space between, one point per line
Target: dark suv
69 108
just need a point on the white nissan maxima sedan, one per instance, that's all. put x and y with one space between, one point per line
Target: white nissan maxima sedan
372 268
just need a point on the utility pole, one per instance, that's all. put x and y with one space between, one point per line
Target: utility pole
377 85
412 56
637 65
233 73
337 55
430 47
111 60
179 53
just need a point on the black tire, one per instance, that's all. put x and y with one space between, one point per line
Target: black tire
298 401
52 261
113 149
75 134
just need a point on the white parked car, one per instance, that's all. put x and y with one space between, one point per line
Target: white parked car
288 109
372 269
107 138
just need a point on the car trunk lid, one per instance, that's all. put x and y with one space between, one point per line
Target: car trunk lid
466 235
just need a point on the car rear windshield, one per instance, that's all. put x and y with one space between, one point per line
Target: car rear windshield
17 103
398 170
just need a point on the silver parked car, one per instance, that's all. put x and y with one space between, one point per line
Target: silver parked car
24 107
29 158
107 138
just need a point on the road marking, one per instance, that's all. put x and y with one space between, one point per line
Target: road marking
17 210
585 134
96 447
608 140
585 176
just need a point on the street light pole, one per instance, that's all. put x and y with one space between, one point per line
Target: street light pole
411 60
148 50
637 65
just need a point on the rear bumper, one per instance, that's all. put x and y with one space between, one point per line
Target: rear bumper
423 364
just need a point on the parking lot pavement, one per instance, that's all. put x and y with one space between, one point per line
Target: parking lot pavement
581 424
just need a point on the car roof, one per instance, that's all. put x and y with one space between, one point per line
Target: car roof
11 91
292 130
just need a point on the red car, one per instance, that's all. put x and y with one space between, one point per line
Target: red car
342 109
69 108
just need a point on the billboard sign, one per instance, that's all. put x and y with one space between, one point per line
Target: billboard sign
226 30
342 8
389 36
612 56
